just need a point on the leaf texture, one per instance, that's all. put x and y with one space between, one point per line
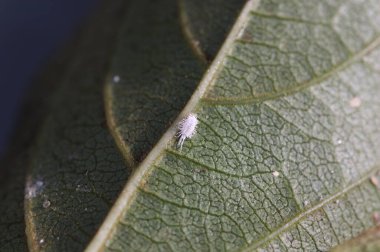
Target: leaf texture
12 225
205 27
74 170
153 74
287 152
288 140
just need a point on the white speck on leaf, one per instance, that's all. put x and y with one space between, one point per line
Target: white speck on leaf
187 128
116 78
276 173
33 188
46 203
82 188
42 241
355 102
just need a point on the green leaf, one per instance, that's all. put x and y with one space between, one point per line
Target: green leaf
153 74
75 169
12 226
206 23
288 138
286 156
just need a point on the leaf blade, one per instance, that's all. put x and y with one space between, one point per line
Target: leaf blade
221 192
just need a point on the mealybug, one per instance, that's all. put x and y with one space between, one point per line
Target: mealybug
186 129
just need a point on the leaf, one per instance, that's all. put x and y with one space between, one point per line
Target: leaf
367 241
288 138
287 143
153 74
12 226
206 23
75 171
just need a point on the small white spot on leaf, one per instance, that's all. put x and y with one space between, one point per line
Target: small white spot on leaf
116 79
33 188
276 173
355 102
46 203
83 188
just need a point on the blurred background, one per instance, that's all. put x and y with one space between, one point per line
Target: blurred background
31 31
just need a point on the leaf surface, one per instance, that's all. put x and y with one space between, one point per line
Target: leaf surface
74 168
205 27
76 171
286 156
12 225
287 142
154 72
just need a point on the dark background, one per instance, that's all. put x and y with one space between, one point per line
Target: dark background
31 31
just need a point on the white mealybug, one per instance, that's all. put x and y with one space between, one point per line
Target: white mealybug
186 128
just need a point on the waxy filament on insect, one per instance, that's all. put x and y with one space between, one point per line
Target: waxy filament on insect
187 128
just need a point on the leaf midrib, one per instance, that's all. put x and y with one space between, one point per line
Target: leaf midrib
127 196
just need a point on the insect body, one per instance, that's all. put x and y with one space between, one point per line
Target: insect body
186 128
